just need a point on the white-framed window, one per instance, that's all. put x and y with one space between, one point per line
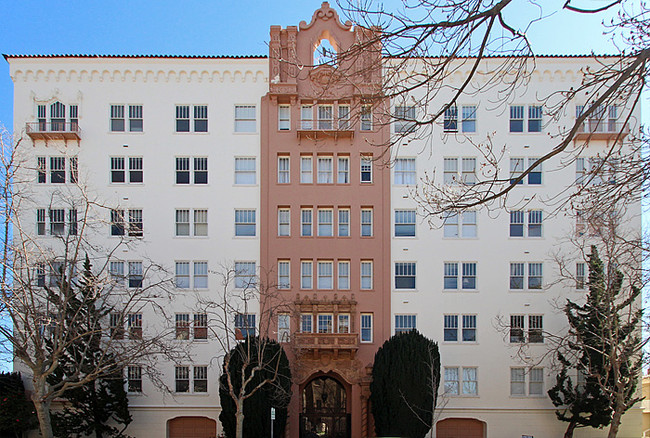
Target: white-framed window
306 274
136 224
461 381
118 170
135 118
404 172
534 118
405 275
185 227
184 118
197 277
182 326
325 117
325 323
245 324
306 323
468 170
136 274
284 117
245 171
200 275
245 275
344 117
516 169
405 323
200 326
181 379
580 275
450 175
196 174
325 170
117 226
284 274
468 121
284 327
535 376
366 168
325 222
245 223
534 277
366 274
467 173
450 122
284 175
245 118
366 117
366 327
533 332
468 278
343 323
344 274
325 274
526 224
344 222
134 325
134 379
535 175
182 275
517 118
466 228
451 327
116 272
57 170
200 382
306 117
404 223
306 170
366 222
343 170
284 222
61 222
404 119
306 220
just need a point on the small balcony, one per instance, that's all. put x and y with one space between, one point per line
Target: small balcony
327 128
596 129
53 130
334 342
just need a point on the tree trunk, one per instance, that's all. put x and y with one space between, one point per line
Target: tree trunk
616 422
570 429
239 415
43 415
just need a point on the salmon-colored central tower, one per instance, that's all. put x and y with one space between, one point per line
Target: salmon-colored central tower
325 227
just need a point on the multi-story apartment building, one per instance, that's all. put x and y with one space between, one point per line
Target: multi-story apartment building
256 164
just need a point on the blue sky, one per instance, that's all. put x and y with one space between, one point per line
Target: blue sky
218 27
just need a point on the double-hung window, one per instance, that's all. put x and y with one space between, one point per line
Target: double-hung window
200 383
57 221
136 274
325 222
366 222
325 275
245 118
450 172
517 118
461 381
284 327
183 226
306 221
404 223
366 275
134 324
182 326
462 225
450 329
366 117
284 270
118 120
404 119
117 223
118 170
325 170
284 117
245 223
518 377
344 222
57 170
306 274
450 123
535 118
245 172
469 118
343 170
325 115
535 175
182 379
516 169
366 168
284 222
405 323
245 324
184 118
136 224
134 379
534 280
344 117
200 326
306 170
366 327
404 171
344 275
343 323
283 170
520 228
307 117
468 280
405 275
116 272
245 275
580 275
306 323
325 323
199 170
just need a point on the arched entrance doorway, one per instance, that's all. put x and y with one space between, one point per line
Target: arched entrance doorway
324 409
460 428
192 427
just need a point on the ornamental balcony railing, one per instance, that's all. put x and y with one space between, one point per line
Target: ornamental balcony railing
335 342
54 130
605 129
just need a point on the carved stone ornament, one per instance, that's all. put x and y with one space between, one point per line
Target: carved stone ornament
326 13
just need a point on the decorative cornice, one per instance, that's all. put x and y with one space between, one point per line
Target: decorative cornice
326 13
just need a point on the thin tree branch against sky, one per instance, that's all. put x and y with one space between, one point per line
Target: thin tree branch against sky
213 27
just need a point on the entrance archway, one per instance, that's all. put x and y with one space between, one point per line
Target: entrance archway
324 409
192 427
460 428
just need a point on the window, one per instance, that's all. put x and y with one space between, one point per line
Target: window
200 223
182 326
245 324
117 118
344 275
283 275
325 323
450 123
535 276
284 222
404 223
200 379
404 171
325 170
306 321
469 328
468 175
517 224
343 175
455 386
57 170
535 223
135 118
245 275
469 118
366 327
343 323
200 113
450 328
450 175
580 275
517 328
134 324
517 275
74 170
40 222
366 222
245 118
535 175
245 223
306 269
325 115
307 117
405 275
468 277
284 117
517 118
200 275
581 171
518 381
41 169
366 117
116 272
306 222
136 226
200 170
182 226
404 119
366 168
56 273
325 275
534 118
325 222
344 117
284 327
405 323
344 222
57 222
182 277
182 379
118 170
468 226
283 170
516 169
535 329
366 275
535 334
306 170
118 122
200 326
134 378
245 172
518 227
